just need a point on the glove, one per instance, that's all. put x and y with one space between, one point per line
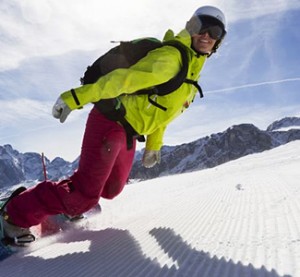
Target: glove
60 110
151 158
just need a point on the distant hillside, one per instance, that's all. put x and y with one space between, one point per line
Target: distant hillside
235 142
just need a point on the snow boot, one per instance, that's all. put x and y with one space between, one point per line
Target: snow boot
10 233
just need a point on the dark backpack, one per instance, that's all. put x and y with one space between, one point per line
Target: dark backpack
128 53
124 55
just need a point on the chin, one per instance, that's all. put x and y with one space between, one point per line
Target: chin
203 51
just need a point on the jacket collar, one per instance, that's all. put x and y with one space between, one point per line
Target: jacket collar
184 37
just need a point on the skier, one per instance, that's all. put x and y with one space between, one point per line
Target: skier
106 159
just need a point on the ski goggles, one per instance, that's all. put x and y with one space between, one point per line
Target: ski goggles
215 32
212 26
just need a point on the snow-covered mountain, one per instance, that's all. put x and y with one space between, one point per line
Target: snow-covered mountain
16 167
285 123
235 142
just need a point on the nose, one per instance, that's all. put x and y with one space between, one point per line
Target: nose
205 34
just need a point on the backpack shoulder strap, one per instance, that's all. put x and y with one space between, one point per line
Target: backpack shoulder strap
177 81
181 76
174 83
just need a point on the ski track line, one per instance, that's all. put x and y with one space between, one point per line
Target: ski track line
272 224
292 210
287 224
169 246
239 237
235 232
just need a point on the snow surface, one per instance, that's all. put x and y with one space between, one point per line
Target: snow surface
238 219
285 129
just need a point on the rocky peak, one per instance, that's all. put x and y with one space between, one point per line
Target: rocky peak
235 142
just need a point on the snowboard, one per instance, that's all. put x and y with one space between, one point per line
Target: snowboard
50 226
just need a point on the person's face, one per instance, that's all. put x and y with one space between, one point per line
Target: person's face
203 43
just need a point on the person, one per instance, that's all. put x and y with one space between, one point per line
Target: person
105 160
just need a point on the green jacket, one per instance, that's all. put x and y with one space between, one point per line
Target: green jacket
157 67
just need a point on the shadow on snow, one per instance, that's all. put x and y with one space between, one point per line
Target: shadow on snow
115 252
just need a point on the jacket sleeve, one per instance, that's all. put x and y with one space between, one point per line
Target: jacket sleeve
159 66
155 140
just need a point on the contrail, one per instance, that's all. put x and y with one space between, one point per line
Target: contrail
255 85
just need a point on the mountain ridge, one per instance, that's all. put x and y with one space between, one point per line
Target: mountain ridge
235 142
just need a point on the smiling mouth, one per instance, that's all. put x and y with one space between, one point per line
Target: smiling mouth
204 41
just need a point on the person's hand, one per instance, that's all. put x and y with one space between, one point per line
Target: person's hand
60 110
151 158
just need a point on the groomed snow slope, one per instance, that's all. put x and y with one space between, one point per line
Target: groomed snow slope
239 219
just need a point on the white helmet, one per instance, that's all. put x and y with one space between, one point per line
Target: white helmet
208 16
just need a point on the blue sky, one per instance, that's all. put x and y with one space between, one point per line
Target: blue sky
46 46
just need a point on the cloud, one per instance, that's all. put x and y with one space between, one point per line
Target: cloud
29 126
32 28
254 85
15 111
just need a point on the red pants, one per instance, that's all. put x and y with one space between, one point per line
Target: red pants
104 167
